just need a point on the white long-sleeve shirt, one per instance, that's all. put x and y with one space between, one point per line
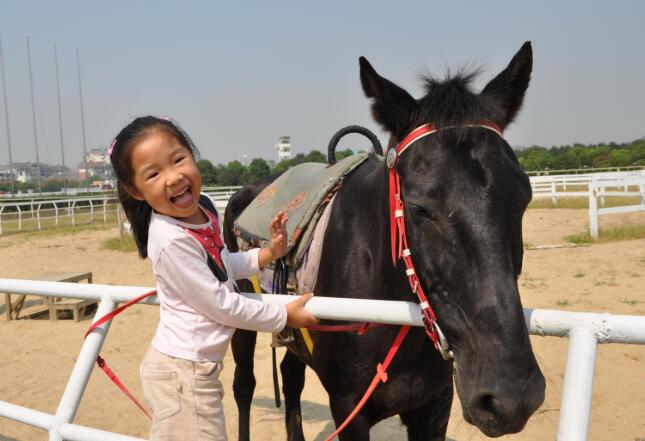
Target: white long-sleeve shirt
198 313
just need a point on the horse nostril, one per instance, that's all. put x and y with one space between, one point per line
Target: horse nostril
487 403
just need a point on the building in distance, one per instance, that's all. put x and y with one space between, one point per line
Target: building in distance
98 166
284 148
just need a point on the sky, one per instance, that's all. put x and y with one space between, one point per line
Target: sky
238 75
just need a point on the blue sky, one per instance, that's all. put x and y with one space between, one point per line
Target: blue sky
237 75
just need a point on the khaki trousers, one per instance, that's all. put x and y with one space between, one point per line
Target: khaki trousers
185 397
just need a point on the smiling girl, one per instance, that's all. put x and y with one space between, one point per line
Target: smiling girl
159 187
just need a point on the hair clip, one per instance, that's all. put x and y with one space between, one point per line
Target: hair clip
111 149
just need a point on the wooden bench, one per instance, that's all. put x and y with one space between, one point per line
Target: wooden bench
53 304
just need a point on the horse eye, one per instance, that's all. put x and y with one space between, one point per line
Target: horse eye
419 210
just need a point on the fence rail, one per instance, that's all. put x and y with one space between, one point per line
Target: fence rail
598 189
584 330
559 186
40 213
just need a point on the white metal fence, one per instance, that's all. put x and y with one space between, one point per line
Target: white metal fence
40 213
601 189
43 213
559 186
584 330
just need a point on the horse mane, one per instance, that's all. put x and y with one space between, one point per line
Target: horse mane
451 102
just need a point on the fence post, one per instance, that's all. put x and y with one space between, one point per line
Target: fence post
119 219
72 205
38 216
1 210
91 211
19 218
602 196
554 200
593 210
105 211
73 393
575 407
56 212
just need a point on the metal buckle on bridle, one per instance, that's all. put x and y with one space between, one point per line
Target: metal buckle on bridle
437 336
390 159
444 347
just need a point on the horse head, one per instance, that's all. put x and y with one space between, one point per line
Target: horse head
464 196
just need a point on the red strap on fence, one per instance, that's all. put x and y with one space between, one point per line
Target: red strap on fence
101 362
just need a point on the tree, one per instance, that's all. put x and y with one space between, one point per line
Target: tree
282 166
208 172
620 157
299 159
315 156
538 158
259 168
231 174
342 154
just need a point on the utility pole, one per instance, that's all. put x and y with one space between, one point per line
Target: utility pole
33 113
60 120
6 119
80 92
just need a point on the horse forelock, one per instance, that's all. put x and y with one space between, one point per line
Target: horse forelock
451 101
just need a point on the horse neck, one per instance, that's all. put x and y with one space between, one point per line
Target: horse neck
362 222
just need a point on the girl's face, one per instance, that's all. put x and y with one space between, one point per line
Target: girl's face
166 177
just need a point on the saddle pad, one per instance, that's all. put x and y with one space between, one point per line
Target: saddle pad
301 191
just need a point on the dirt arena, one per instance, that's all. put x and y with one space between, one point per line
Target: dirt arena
38 355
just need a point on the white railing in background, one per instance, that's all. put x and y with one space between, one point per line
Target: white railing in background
39 211
603 189
558 186
33 214
584 330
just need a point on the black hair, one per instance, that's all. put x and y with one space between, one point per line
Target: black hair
139 212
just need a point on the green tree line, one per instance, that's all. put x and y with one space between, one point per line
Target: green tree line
537 158
235 173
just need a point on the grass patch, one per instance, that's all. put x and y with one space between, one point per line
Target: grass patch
128 245
582 202
579 275
614 234
630 302
563 302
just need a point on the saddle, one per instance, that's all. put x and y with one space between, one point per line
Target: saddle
303 192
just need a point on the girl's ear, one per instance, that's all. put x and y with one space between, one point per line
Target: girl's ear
136 194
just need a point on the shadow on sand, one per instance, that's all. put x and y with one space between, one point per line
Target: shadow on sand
383 431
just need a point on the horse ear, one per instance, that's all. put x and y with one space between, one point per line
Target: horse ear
392 107
507 89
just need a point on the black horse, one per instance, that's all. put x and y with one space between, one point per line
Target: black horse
465 195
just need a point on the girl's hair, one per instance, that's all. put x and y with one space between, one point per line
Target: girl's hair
139 212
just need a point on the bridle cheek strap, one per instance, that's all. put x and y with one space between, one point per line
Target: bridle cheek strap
398 237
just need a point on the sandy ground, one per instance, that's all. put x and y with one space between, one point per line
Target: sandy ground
38 355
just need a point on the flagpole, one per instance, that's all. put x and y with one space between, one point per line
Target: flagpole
60 120
33 113
80 92
6 119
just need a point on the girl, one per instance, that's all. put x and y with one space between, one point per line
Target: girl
159 187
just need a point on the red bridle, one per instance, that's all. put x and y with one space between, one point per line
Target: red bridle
397 226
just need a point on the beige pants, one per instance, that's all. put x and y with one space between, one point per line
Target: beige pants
185 397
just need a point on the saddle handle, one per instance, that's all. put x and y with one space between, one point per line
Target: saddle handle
331 149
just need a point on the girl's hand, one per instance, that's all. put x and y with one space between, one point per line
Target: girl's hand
278 230
297 315
278 246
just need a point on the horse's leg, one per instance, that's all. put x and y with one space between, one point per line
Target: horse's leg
243 344
359 428
429 422
293 381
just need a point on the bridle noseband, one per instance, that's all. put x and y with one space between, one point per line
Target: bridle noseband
397 226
